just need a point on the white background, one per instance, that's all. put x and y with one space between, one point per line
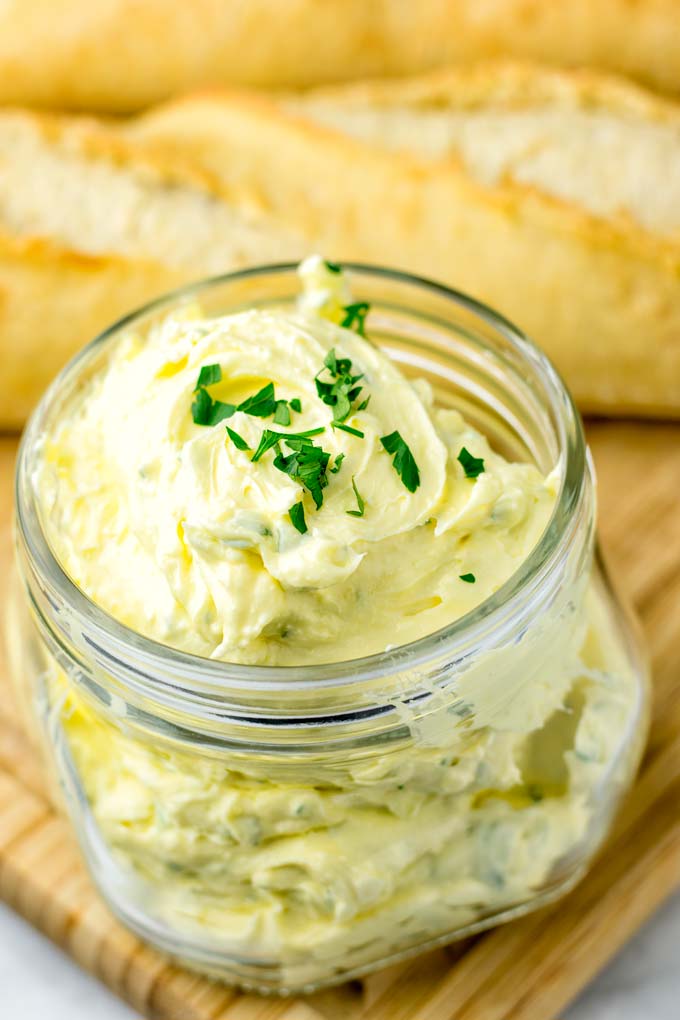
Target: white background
37 982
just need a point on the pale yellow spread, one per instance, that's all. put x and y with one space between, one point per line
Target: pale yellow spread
178 533
134 491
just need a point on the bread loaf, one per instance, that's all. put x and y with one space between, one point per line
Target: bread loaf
553 196
123 55
90 228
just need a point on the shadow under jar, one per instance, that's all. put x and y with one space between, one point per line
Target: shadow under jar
286 828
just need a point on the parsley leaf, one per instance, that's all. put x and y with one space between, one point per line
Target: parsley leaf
336 365
238 441
208 375
332 267
403 462
201 408
341 393
356 313
472 466
220 411
262 404
468 578
360 503
297 517
281 414
307 464
206 411
270 437
347 428
337 464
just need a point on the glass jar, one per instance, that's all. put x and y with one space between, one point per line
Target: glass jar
285 828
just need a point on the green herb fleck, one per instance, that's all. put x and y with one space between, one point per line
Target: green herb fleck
268 439
336 365
360 503
472 466
201 409
262 404
307 464
307 434
403 462
238 441
282 413
364 404
343 390
337 464
206 411
356 315
332 267
297 517
347 428
468 578
208 375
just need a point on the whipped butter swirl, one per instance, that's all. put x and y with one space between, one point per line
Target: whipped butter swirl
177 532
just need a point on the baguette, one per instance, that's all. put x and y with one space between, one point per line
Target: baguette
123 55
553 196
90 228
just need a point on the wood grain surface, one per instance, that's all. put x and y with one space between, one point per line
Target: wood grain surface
527 970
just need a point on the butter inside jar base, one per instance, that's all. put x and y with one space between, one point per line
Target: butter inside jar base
376 856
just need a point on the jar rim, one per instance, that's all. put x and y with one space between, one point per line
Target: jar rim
199 673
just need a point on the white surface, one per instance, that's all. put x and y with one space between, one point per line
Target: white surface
37 981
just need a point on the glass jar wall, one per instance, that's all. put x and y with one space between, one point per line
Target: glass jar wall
285 828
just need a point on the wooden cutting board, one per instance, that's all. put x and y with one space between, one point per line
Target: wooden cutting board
527 970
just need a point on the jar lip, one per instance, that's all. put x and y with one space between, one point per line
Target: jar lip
200 673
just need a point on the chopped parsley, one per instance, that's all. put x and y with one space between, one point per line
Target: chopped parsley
262 404
468 578
472 466
355 315
282 413
360 503
336 365
238 441
201 409
347 428
208 376
403 462
364 404
206 411
297 517
337 464
307 464
270 437
342 391
332 267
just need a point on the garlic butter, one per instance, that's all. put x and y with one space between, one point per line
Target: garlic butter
265 489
